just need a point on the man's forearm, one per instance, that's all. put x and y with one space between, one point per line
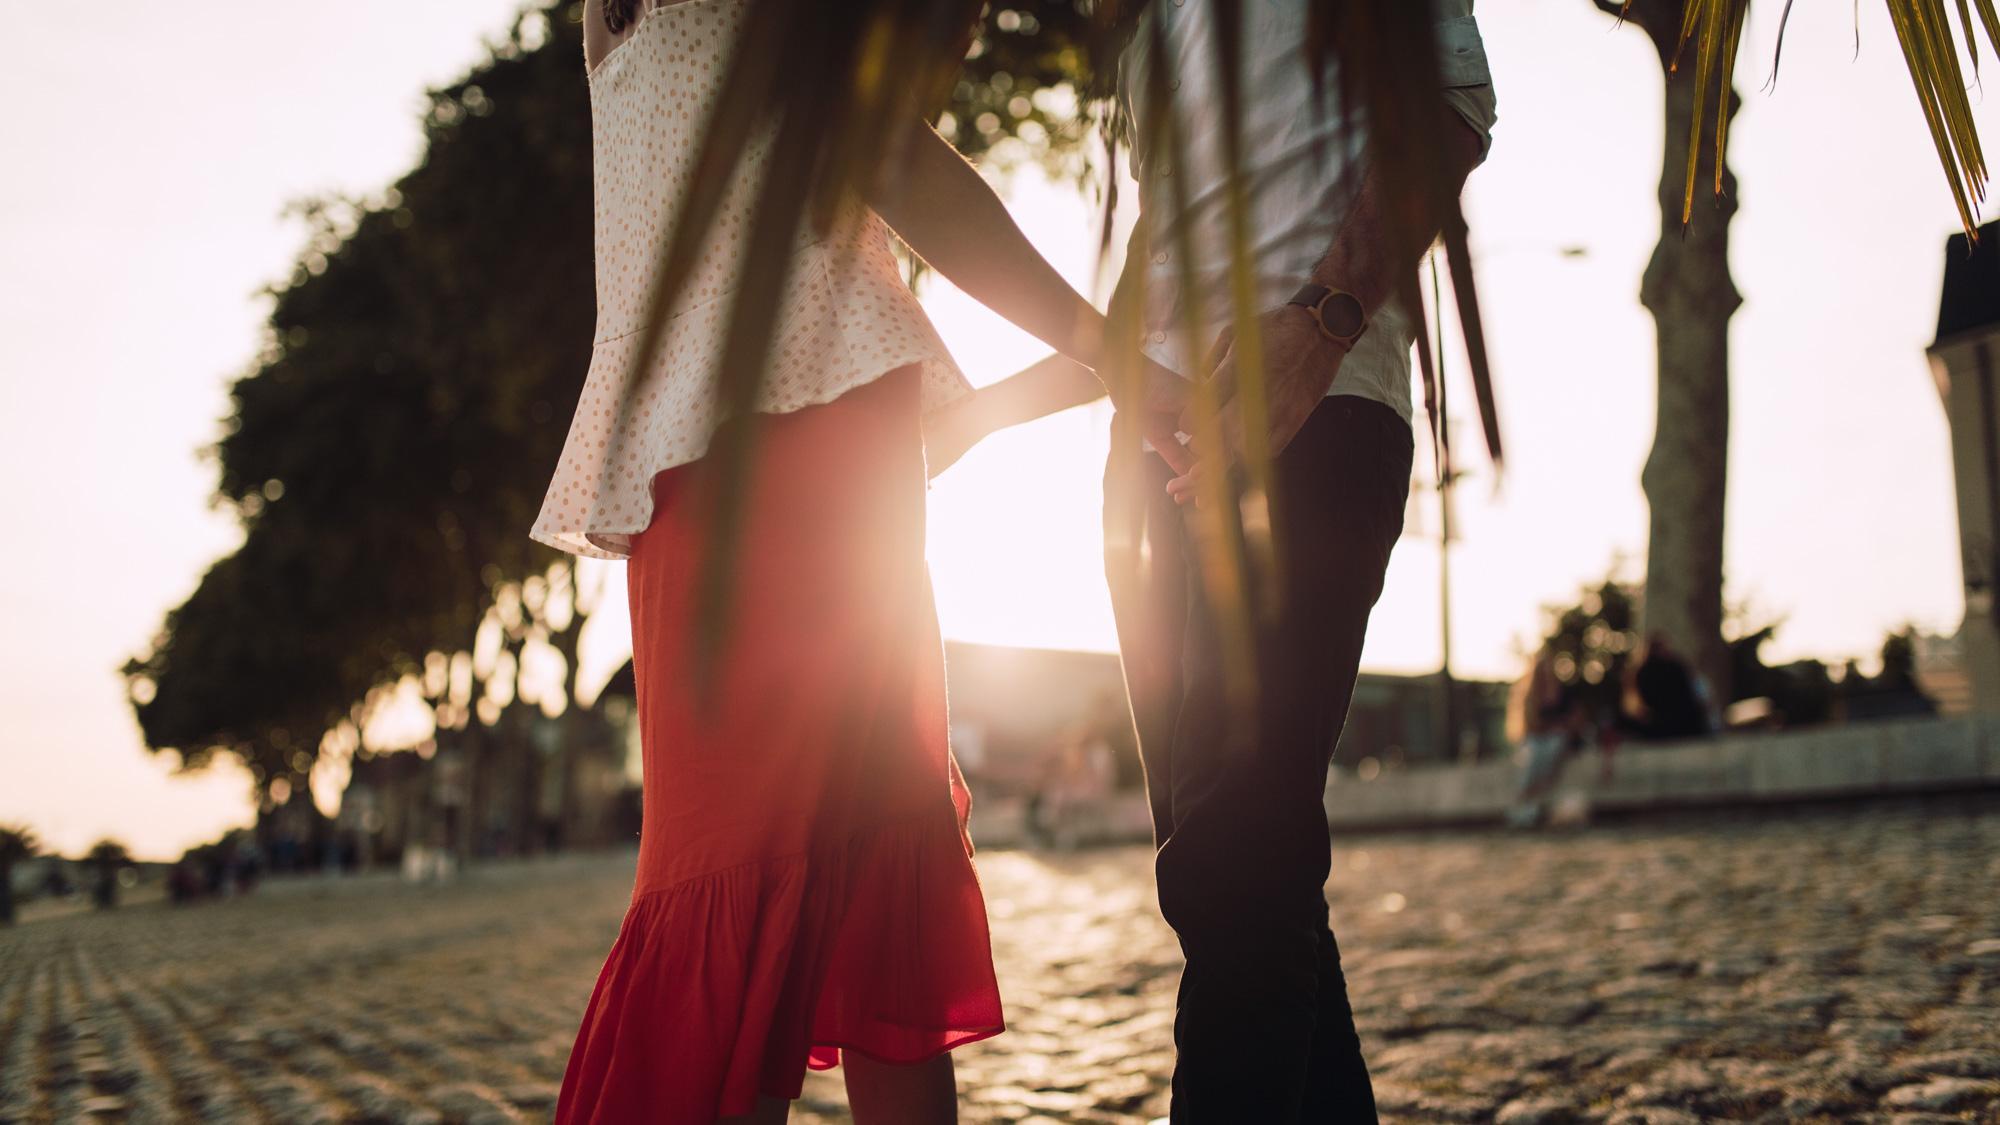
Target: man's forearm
938 204
1376 248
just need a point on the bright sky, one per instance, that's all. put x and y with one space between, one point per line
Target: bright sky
149 158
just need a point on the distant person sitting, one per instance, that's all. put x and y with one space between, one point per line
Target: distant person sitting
1549 720
1665 698
1541 718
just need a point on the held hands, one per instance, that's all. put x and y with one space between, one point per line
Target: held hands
1052 385
1300 362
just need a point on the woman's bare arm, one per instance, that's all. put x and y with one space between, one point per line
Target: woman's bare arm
1036 391
952 219
1053 385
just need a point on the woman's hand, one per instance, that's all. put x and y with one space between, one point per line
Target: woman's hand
1049 386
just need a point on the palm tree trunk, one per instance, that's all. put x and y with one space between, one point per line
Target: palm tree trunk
1688 290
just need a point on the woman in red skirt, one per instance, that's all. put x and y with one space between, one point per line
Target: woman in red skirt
805 892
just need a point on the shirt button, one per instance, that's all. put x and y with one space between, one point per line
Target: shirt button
1160 258
1174 84
1159 337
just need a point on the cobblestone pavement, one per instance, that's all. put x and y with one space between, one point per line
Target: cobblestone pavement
1829 965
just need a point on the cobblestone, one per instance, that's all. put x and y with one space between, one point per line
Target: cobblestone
1826 965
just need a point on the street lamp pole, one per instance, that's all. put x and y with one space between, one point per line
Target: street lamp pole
1449 706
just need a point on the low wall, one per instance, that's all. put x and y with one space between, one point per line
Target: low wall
1924 755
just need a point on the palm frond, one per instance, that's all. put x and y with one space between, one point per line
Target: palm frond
1715 27
1924 33
1217 521
1458 255
1260 535
1971 40
1947 112
1778 51
1388 66
1989 17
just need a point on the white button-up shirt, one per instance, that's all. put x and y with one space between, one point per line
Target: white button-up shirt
1297 164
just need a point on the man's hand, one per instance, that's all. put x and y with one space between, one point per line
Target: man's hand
1300 362
1163 402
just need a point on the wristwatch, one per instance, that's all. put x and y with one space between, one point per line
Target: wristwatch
1337 312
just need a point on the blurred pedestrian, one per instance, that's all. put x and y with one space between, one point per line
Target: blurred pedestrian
1550 721
1036 817
1665 697
1542 721
1079 789
184 883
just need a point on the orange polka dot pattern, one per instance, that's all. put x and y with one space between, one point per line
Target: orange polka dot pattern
845 315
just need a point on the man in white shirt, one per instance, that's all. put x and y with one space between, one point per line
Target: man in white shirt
1264 1030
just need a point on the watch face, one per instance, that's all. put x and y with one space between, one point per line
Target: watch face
1342 315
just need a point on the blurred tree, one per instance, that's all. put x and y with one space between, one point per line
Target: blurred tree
1801 693
1593 641
1892 693
108 859
254 664
17 843
1688 289
389 451
1030 76
1899 660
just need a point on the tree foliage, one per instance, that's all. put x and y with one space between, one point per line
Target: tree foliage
387 452
17 843
108 860
1031 77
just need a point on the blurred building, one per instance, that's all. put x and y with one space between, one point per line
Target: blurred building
1941 672
1014 709
1398 721
1965 359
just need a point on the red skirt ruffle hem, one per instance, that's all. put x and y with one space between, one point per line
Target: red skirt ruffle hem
805 885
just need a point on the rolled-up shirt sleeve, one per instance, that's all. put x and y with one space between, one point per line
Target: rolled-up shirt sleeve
1468 83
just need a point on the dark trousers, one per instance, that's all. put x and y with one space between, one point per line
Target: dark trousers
1264 1031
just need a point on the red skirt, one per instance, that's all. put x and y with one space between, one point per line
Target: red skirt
805 885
